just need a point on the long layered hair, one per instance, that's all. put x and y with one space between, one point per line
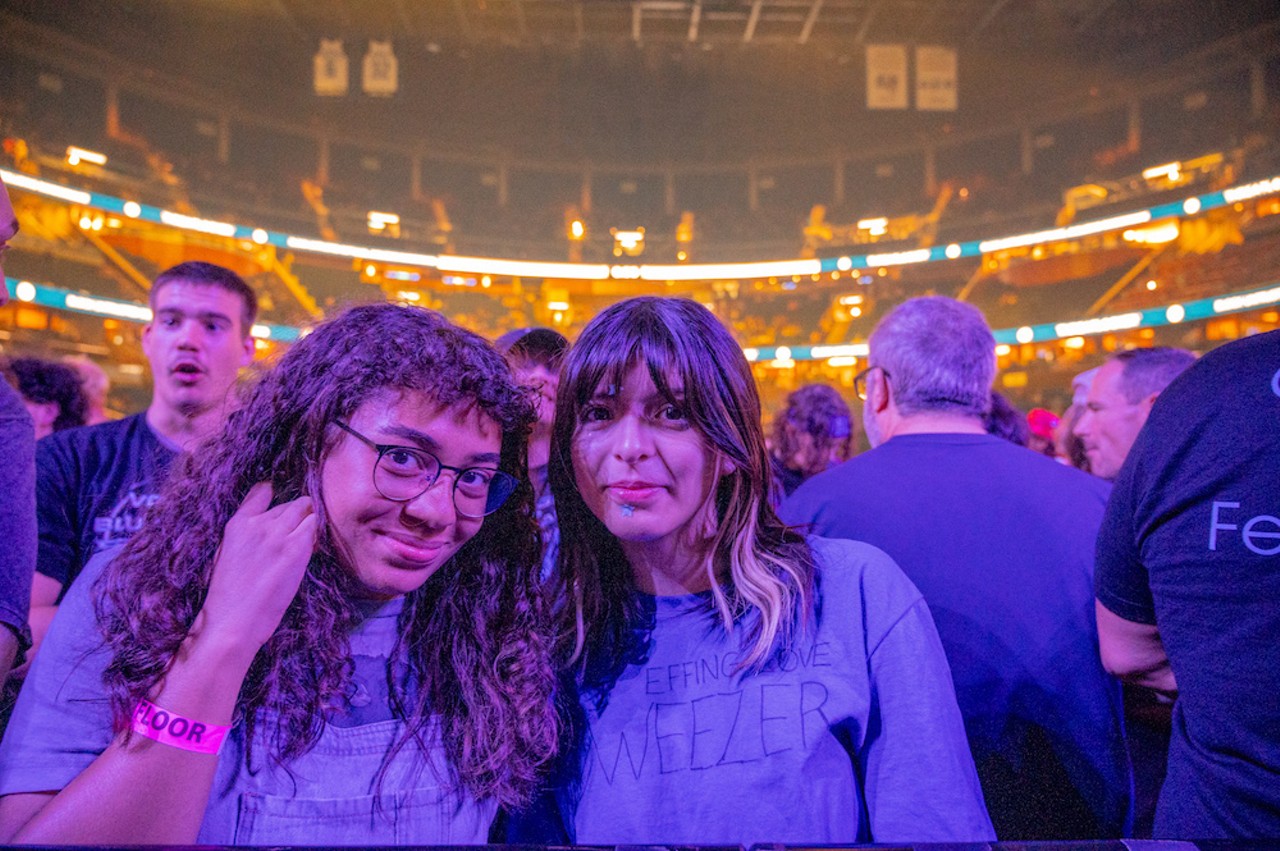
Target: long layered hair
756 563
473 635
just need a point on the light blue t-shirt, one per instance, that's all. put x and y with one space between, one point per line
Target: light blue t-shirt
328 796
851 734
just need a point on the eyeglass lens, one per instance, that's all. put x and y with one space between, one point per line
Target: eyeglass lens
403 474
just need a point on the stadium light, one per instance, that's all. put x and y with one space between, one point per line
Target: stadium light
628 242
1169 171
384 222
75 156
875 227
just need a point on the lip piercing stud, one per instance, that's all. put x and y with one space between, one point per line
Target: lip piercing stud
628 510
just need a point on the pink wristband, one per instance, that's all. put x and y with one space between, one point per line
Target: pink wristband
169 729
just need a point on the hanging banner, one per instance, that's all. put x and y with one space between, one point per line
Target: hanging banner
886 76
936 79
381 70
331 74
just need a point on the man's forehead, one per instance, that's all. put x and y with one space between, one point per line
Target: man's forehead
1106 383
195 297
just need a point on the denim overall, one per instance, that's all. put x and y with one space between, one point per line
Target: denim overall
331 795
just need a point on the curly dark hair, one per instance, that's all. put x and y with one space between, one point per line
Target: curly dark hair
474 635
1005 420
43 381
818 411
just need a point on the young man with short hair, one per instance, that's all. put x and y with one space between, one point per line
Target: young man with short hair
94 484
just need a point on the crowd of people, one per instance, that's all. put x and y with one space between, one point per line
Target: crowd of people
407 586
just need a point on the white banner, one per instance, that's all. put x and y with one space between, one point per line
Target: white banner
331 73
381 70
936 79
886 76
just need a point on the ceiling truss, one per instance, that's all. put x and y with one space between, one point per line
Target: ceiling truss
842 24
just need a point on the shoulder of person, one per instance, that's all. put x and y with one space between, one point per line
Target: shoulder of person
1236 375
861 588
11 407
87 438
1051 482
1065 480
844 563
84 589
819 490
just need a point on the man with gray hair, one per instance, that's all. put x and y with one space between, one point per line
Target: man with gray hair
1119 401
999 540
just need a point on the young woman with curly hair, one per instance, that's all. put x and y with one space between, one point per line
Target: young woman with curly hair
813 433
738 682
347 578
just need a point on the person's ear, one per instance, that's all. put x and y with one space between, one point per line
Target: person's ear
247 351
877 391
724 466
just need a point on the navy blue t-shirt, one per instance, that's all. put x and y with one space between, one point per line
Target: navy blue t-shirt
1191 543
1000 542
93 488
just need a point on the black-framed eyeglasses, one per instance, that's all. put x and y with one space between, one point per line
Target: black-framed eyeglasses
860 381
404 473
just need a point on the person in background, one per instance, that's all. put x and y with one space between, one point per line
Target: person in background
535 355
1117 403
738 682
1187 582
1120 399
17 489
330 630
1005 421
811 434
96 386
52 393
999 541
1067 444
1042 425
94 485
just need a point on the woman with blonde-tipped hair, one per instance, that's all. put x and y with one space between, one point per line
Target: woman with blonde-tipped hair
737 681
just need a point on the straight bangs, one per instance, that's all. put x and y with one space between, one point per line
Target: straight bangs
693 369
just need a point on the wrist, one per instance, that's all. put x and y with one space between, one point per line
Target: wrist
220 652
177 731
204 679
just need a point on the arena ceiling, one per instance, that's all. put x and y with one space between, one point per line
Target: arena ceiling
838 24
651 80
570 23
191 32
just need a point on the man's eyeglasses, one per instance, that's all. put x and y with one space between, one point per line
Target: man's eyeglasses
404 473
860 381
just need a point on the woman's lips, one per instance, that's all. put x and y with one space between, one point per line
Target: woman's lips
630 493
414 551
